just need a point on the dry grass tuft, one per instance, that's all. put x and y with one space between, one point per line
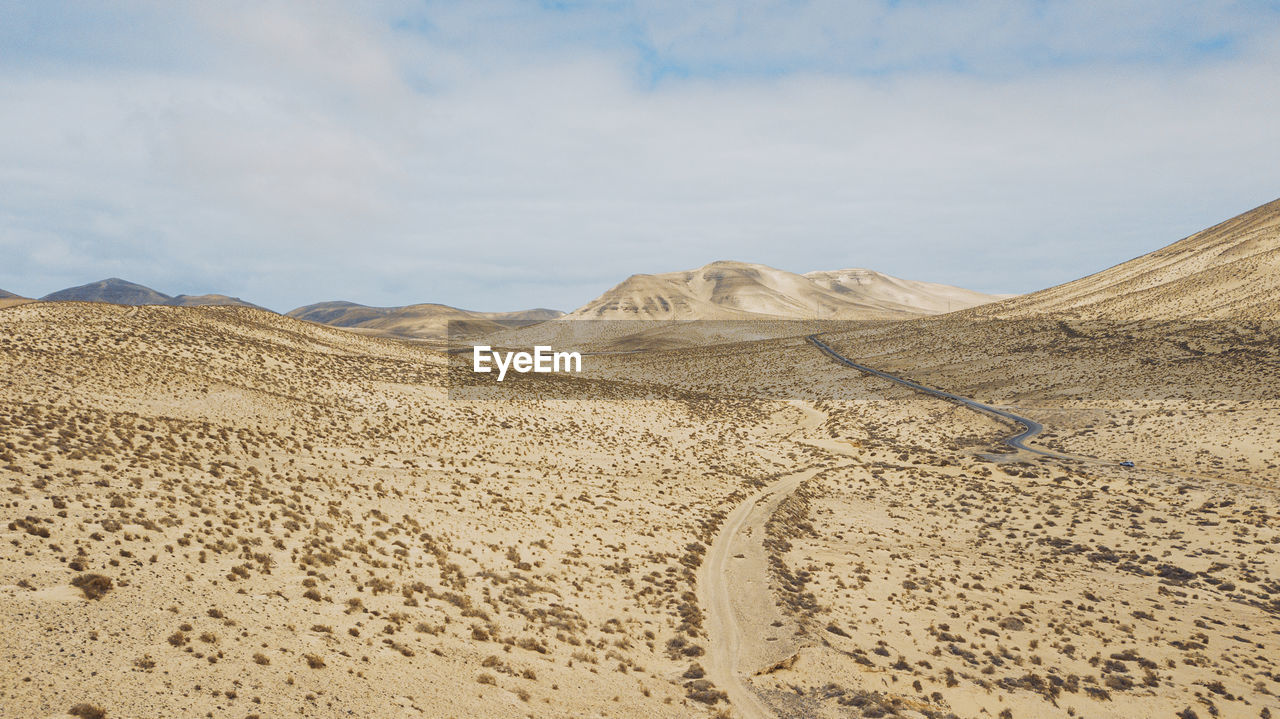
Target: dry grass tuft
94 586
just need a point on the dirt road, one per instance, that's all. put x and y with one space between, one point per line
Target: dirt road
746 629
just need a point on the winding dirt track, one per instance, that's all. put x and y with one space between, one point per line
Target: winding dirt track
745 628
734 586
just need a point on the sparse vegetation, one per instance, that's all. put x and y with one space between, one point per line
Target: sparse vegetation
94 586
88 711
283 497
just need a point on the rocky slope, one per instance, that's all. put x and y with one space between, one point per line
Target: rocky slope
740 290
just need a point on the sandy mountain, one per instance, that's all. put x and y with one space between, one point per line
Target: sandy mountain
122 292
9 296
1231 270
929 297
424 321
740 290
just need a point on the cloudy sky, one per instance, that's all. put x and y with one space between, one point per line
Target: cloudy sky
507 154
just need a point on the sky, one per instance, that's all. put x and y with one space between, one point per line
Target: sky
507 154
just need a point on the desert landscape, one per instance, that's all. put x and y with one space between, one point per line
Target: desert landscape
214 510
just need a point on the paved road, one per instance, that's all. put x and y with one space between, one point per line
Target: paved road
1018 441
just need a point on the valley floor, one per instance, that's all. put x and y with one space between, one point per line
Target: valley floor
222 512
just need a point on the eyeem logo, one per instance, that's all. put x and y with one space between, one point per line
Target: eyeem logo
543 359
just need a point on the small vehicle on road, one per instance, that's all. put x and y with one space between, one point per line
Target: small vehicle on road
1126 463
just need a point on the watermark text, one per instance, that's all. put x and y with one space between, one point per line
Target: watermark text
542 359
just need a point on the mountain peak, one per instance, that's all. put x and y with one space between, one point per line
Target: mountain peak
116 291
113 290
728 289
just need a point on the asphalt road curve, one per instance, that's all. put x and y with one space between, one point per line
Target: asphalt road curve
1030 427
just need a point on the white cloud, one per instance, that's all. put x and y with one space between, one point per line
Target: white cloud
302 153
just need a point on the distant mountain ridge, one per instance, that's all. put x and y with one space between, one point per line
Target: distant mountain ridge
422 321
419 321
9 296
741 290
718 291
116 291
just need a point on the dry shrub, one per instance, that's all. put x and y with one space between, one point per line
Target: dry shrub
93 585
88 711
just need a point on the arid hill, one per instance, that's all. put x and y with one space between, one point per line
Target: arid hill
1229 271
424 321
1184 337
113 290
8 299
122 292
919 297
211 300
740 290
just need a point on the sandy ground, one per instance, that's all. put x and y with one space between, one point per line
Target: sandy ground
268 496
291 519
1041 589
747 630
